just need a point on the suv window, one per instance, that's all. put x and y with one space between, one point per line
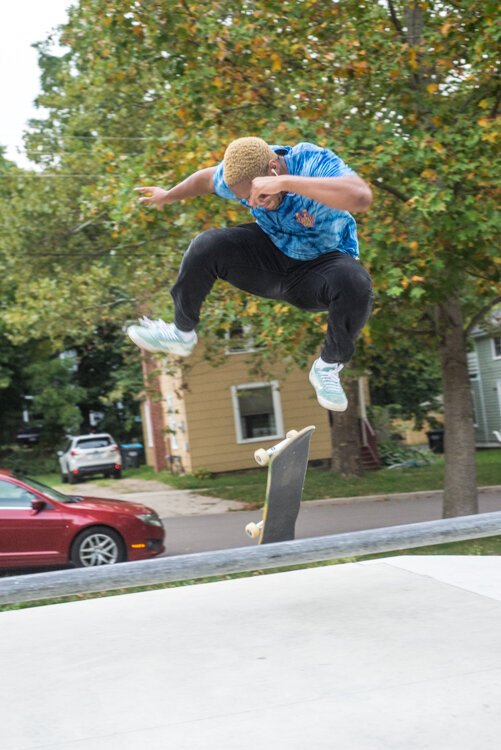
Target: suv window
92 443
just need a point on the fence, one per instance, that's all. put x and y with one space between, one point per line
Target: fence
42 586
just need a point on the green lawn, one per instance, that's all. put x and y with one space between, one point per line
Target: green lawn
249 486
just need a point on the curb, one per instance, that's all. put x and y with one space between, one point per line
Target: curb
420 494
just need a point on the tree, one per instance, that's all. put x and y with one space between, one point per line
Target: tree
412 389
56 396
423 74
406 91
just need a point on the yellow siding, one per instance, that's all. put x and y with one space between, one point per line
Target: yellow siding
210 439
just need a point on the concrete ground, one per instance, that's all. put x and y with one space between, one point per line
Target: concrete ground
168 502
395 654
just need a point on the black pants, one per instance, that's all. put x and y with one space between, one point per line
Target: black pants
247 258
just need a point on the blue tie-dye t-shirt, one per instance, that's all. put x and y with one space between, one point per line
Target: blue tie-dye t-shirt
301 227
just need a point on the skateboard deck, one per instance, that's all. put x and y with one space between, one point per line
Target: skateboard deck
287 462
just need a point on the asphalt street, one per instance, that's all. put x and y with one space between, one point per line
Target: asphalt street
200 533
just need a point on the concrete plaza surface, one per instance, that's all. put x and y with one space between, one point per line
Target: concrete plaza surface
396 654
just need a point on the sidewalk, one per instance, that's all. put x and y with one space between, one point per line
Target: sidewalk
171 503
386 655
168 503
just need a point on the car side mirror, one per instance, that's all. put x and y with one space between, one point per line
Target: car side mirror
37 505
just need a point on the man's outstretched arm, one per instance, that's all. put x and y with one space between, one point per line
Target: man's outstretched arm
198 183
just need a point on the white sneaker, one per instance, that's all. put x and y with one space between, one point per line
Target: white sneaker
158 336
325 381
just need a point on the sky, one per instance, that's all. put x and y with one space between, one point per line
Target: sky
22 23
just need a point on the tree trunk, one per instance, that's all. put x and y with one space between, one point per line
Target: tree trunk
345 434
460 486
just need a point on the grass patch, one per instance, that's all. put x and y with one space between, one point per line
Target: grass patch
485 546
249 486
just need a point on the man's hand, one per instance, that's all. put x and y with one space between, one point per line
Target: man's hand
261 190
153 196
346 193
199 183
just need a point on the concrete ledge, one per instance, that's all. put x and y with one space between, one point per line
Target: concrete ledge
245 559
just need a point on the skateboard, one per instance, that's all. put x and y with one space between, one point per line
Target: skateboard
287 462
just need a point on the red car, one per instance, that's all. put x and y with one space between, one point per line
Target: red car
40 526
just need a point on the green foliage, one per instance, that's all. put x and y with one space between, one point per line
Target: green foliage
406 92
404 377
110 373
29 461
391 448
202 473
12 360
151 92
394 453
56 396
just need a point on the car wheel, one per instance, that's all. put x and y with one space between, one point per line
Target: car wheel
97 546
72 479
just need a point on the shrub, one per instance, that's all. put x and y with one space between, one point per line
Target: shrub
30 461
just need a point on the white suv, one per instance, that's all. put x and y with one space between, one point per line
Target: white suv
90 454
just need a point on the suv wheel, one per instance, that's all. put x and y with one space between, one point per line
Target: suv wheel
97 546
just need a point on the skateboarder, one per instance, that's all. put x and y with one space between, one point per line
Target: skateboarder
302 249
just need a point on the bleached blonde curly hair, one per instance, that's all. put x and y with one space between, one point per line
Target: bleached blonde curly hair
245 159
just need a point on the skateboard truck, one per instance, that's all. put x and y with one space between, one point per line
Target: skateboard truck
262 456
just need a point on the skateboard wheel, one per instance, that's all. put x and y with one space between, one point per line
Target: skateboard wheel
261 457
252 530
291 434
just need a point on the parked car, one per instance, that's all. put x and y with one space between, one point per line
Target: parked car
40 526
28 434
87 455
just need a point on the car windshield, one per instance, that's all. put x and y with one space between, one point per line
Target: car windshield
53 494
91 443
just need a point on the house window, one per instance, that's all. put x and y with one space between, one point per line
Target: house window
240 340
496 345
257 411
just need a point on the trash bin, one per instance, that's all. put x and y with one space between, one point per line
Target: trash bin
436 440
132 455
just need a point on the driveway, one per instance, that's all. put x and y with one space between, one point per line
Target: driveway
166 501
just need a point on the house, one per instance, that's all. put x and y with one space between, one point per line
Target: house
484 365
214 418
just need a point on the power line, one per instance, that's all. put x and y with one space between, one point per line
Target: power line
110 252
159 138
44 175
